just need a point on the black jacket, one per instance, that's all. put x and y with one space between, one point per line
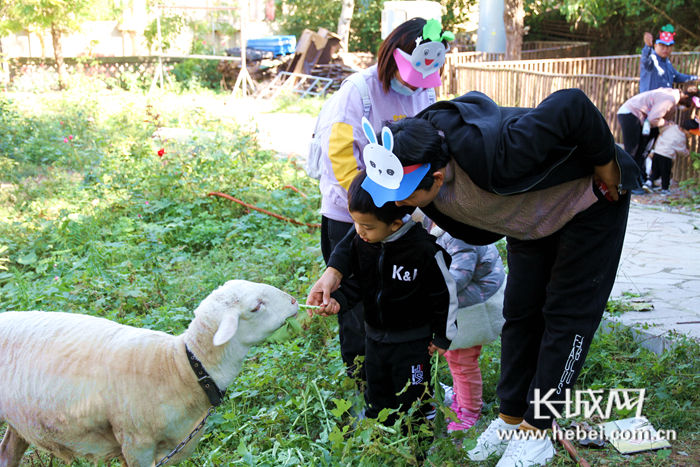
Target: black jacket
508 150
404 285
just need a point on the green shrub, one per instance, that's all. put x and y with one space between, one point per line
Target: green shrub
194 73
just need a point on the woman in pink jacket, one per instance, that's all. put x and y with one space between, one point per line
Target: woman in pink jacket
641 116
398 86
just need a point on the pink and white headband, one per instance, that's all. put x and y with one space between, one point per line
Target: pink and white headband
421 68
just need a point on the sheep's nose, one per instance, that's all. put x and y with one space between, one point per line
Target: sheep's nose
294 301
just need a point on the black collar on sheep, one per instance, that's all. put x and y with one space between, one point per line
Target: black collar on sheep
213 392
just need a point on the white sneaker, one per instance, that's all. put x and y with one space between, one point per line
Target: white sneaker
449 394
527 452
489 442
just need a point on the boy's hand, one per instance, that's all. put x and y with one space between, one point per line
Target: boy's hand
432 348
320 293
648 39
332 308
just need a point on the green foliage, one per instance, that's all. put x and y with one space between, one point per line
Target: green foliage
619 24
170 27
672 379
104 10
64 15
292 103
456 13
695 158
293 16
97 221
365 28
194 73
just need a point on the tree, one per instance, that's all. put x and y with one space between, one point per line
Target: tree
456 12
344 22
56 16
514 20
365 34
620 24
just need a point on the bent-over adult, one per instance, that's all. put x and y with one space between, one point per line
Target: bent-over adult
651 109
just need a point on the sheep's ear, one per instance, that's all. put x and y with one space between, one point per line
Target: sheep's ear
227 329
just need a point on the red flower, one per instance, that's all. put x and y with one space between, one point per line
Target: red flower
161 151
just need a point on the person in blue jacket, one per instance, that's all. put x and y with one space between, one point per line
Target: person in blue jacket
656 70
552 181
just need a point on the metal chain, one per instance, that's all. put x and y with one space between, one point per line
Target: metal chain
182 444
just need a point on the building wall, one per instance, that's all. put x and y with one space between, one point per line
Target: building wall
124 37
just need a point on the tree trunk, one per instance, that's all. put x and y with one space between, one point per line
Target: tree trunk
4 69
344 23
58 55
514 20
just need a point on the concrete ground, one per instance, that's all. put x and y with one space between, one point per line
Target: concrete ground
659 274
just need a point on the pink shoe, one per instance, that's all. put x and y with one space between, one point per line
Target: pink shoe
467 419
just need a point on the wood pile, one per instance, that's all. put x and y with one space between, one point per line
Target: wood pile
259 70
335 71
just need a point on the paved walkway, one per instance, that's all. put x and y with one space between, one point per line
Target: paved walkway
661 263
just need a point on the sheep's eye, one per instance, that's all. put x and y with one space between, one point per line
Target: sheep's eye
390 171
373 164
257 308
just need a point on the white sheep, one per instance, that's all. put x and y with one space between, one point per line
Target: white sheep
81 386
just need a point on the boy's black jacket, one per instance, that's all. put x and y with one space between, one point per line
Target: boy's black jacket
401 283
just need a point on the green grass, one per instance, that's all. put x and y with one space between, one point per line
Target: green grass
292 103
102 225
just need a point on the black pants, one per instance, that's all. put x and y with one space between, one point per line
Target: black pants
661 167
351 323
557 290
634 141
397 376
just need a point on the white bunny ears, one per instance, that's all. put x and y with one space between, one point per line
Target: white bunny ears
382 166
387 180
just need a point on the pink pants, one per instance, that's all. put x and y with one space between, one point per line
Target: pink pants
466 375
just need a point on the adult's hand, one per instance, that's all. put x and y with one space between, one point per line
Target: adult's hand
320 294
610 175
648 39
432 348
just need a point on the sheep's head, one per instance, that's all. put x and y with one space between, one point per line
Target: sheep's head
248 310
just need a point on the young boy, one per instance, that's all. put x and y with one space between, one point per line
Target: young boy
409 300
672 142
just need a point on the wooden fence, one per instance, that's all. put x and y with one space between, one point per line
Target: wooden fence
142 66
536 50
608 82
